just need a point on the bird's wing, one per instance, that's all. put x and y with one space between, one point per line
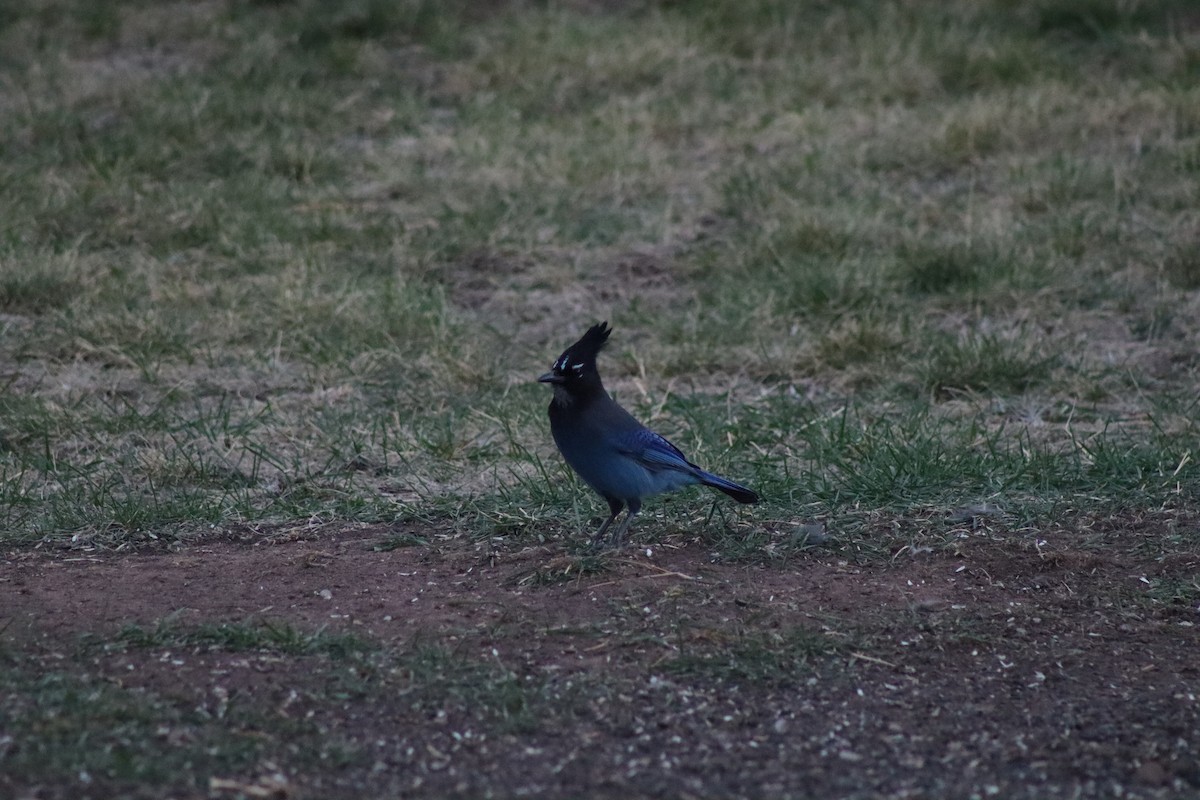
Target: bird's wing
654 452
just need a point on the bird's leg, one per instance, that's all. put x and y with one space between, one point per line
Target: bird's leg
635 507
614 506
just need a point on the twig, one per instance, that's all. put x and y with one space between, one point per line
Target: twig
661 573
872 659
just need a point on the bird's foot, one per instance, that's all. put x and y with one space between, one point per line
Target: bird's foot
609 544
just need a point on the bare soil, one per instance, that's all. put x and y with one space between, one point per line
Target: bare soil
1018 666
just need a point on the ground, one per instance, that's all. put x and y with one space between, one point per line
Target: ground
1022 664
280 514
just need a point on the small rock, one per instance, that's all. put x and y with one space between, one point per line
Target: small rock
973 514
1152 772
811 533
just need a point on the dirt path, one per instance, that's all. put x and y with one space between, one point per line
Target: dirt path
1005 670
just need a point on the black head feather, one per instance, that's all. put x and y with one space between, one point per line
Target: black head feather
575 369
584 352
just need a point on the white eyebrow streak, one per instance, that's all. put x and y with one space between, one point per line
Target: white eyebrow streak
577 367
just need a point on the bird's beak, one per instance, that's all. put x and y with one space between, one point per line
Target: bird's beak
550 377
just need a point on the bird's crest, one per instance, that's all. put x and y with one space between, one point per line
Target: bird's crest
582 354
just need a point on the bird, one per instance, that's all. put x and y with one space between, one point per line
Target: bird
621 459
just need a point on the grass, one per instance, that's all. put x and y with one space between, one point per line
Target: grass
1182 593
325 296
65 720
75 727
756 658
240 637
70 723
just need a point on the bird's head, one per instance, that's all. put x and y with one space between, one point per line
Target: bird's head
574 374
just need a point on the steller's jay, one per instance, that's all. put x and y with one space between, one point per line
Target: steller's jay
623 460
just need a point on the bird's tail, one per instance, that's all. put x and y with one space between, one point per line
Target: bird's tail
736 491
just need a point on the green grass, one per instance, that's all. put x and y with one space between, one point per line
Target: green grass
270 261
73 721
238 637
75 727
756 658
1183 593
